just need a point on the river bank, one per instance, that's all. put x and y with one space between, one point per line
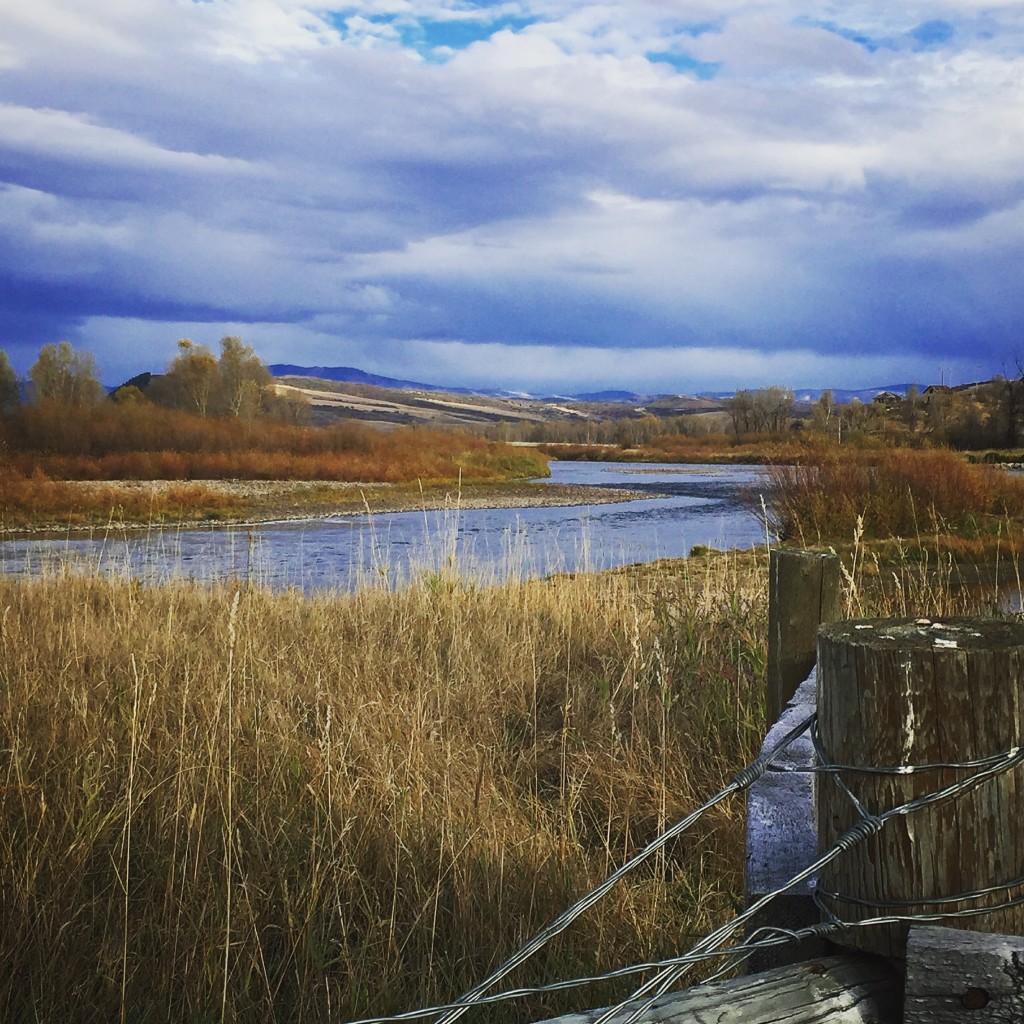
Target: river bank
123 504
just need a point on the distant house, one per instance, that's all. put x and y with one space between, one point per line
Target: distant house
887 400
936 392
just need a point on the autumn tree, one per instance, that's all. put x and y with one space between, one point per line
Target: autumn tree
242 378
741 411
772 408
287 405
65 375
824 412
767 409
9 393
911 408
190 380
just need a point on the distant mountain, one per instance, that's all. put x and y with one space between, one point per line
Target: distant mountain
840 395
611 396
351 375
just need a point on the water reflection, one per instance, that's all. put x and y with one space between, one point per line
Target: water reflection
684 506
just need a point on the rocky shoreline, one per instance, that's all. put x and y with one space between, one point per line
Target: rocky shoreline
261 502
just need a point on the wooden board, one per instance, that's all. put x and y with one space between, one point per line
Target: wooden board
835 990
955 977
803 592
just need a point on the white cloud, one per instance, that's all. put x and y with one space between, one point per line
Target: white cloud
45 133
255 30
276 159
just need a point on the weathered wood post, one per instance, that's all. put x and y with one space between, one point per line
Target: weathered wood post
803 592
918 692
834 990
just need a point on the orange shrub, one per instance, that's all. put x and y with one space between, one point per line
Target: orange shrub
898 493
140 441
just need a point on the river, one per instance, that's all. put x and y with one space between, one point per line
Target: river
683 506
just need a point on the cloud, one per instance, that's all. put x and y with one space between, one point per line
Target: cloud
546 176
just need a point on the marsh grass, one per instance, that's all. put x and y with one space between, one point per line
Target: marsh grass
221 803
893 494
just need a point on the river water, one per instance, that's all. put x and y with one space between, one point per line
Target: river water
683 506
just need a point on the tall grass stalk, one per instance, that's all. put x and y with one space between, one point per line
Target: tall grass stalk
221 803
896 493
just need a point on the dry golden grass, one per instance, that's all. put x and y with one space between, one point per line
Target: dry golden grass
225 804
221 803
895 493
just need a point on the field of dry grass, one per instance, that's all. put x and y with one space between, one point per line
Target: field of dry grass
226 804
233 805
914 495
64 467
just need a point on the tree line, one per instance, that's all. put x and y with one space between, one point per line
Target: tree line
236 383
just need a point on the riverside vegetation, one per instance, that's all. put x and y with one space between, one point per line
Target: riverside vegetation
225 804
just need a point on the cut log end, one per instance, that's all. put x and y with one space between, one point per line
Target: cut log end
915 693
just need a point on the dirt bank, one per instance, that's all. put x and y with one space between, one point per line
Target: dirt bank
251 502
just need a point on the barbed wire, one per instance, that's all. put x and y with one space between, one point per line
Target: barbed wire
774 937
743 780
714 945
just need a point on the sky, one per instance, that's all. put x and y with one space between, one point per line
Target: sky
541 195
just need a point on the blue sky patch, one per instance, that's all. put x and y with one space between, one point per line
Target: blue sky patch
696 29
931 34
869 43
433 38
704 70
456 35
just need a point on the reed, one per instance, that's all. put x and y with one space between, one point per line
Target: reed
894 493
227 804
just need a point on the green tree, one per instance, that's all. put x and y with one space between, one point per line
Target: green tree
10 396
65 375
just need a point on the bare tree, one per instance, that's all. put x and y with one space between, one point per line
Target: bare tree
772 408
741 411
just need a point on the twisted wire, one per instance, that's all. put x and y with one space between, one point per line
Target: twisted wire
743 780
671 970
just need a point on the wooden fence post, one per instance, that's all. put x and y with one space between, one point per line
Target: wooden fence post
918 692
803 592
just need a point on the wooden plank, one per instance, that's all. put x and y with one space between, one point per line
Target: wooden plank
803 592
918 692
834 990
959 977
